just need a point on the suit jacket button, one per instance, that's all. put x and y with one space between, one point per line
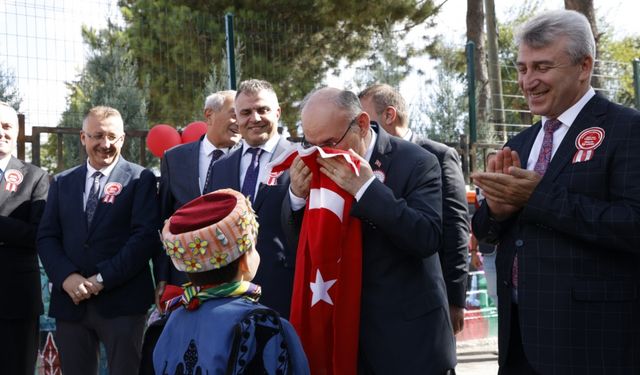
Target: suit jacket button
519 243
86 246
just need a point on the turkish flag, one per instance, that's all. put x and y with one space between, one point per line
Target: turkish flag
325 306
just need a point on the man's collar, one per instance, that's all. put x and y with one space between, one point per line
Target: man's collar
268 146
105 171
372 144
4 163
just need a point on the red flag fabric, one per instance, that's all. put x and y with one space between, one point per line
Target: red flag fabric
325 306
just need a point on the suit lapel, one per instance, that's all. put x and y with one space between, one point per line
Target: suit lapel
380 158
528 144
120 174
5 195
590 116
263 190
192 168
74 196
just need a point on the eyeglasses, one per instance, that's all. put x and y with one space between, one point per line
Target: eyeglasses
98 137
306 144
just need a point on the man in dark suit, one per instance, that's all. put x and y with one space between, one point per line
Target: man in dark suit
23 191
387 107
257 113
97 235
185 170
404 318
563 205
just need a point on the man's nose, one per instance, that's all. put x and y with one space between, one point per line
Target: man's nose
255 116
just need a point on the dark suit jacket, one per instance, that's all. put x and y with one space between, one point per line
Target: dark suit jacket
178 185
20 213
455 220
577 241
404 324
277 260
119 244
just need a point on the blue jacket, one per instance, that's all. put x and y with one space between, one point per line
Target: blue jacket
220 334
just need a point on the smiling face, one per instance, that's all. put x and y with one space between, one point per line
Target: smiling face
8 130
102 139
222 127
257 115
549 80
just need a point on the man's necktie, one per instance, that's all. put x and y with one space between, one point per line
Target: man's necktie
92 200
215 155
251 176
541 166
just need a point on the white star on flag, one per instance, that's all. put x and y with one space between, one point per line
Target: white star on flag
320 289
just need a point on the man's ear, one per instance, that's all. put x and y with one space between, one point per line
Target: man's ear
390 115
208 112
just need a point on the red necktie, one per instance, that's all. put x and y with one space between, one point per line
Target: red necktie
550 126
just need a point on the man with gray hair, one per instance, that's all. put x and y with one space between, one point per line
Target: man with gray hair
387 107
562 202
23 192
186 172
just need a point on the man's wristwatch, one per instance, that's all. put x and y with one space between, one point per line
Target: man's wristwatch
99 278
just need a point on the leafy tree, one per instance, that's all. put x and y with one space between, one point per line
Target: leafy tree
108 78
8 91
176 41
440 111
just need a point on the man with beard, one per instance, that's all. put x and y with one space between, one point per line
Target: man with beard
186 171
257 113
23 190
97 234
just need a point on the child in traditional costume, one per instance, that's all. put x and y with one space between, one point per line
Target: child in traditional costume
217 326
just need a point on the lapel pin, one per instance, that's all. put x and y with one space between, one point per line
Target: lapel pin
586 143
14 177
110 191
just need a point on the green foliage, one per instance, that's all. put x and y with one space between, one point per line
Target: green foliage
176 42
620 82
440 112
8 91
108 78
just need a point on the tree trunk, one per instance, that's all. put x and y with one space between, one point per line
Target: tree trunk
495 79
586 7
475 33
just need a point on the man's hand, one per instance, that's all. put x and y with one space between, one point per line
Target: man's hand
506 194
300 176
499 172
476 261
95 287
159 290
338 170
457 318
77 287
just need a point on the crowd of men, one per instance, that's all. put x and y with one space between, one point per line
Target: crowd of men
561 204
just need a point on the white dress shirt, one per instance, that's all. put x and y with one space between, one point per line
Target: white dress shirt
103 180
265 156
204 159
567 118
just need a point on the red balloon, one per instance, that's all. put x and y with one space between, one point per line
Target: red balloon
194 131
162 137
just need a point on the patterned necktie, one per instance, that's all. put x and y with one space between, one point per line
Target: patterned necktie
251 176
92 200
541 167
215 155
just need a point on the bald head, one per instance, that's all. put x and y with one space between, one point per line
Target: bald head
334 118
